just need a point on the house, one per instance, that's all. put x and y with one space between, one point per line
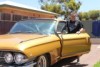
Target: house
10 12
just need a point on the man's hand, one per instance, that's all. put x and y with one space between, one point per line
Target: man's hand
78 32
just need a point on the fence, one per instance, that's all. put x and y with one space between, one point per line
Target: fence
88 28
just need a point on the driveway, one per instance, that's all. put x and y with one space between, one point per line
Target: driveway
87 60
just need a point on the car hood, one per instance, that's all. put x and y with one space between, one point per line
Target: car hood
11 41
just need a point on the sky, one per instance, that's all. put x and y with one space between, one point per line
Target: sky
86 4
90 5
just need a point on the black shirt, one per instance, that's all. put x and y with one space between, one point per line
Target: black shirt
73 26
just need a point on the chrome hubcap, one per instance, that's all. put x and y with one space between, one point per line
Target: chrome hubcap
42 62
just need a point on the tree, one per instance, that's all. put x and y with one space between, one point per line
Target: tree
73 5
63 7
53 8
86 16
94 14
80 15
90 15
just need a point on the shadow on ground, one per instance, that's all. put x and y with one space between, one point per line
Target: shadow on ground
64 63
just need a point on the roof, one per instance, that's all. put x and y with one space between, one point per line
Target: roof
38 19
18 5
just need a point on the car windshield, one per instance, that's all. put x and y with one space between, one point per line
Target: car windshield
34 26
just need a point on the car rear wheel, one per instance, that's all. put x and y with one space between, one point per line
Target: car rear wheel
42 61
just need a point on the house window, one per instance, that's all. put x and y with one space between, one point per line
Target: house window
5 16
17 17
32 17
25 17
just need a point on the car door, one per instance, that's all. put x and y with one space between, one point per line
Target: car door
73 43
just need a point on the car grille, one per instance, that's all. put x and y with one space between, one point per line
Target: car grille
2 57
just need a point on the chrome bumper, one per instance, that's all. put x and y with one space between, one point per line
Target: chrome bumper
29 65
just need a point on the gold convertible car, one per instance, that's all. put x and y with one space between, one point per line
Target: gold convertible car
41 43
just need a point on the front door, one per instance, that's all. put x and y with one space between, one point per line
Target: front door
75 43
72 44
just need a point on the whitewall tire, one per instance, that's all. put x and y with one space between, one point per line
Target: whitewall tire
42 61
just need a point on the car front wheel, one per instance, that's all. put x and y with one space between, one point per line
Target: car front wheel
42 61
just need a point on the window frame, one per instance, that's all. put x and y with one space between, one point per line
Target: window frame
4 19
64 32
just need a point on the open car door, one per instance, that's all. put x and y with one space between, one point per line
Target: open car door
73 44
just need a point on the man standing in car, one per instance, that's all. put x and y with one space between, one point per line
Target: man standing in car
74 26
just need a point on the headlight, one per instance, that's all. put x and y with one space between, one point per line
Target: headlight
8 57
19 58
